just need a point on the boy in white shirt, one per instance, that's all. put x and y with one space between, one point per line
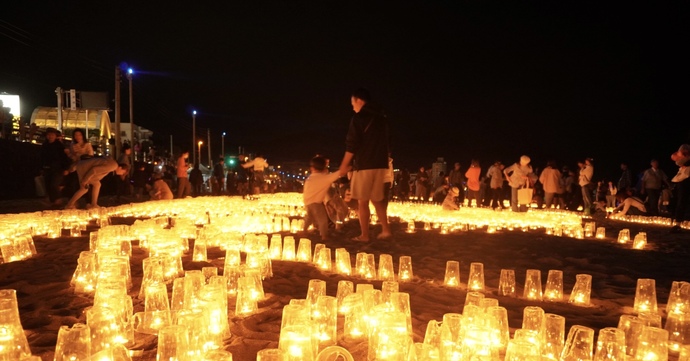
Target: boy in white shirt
315 189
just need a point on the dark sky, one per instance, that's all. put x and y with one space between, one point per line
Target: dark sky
459 79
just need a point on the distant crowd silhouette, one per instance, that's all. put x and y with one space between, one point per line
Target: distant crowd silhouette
651 192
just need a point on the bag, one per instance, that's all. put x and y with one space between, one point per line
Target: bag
525 195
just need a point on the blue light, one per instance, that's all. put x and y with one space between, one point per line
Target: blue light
130 71
194 112
223 133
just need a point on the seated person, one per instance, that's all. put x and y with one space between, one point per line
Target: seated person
315 190
90 172
450 202
629 205
159 189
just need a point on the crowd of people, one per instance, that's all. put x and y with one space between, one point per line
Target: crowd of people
365 176
654 193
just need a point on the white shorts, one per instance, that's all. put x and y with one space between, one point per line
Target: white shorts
368 184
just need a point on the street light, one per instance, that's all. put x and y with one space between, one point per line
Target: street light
194 134
130 71
199 144
222 150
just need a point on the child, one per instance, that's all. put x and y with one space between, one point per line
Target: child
449 203
315 189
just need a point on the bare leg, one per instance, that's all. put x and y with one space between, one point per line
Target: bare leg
78 194
95 191
382 215
364 214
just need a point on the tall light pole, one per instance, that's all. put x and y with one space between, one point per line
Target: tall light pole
194 134
199 144
222 148
130 71
118 139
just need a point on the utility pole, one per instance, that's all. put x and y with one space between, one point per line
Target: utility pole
118 141
208 135
131 117
58 91
193 136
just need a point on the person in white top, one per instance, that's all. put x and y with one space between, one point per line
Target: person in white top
258 165
79 147
585 182
518 175
495 173
550 179
315 190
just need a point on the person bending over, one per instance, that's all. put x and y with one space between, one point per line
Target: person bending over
90 172
630 205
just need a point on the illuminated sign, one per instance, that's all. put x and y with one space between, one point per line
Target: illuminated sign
12 102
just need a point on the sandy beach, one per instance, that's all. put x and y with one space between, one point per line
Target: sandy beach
46 300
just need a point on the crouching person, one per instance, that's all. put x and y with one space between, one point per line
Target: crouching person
90 172
315 190
630 205
450 202
159 189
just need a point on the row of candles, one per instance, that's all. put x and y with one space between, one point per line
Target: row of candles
274 213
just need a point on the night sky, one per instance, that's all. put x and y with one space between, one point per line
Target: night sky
458 79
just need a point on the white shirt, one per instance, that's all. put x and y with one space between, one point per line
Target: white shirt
586 175
259 164
316 187
550 179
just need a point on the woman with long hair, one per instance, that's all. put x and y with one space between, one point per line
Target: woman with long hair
79 148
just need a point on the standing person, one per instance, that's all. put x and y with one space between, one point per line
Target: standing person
123 181
456 179
611 195
90 172
79 148
652 181
550 179
473 186
388 182
242 176
55 164
585 182
495 175
573 194
518 175
184 188
218 177
258 165
403 184
625 183
681 187
196 179
421 184
316 188
367 146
